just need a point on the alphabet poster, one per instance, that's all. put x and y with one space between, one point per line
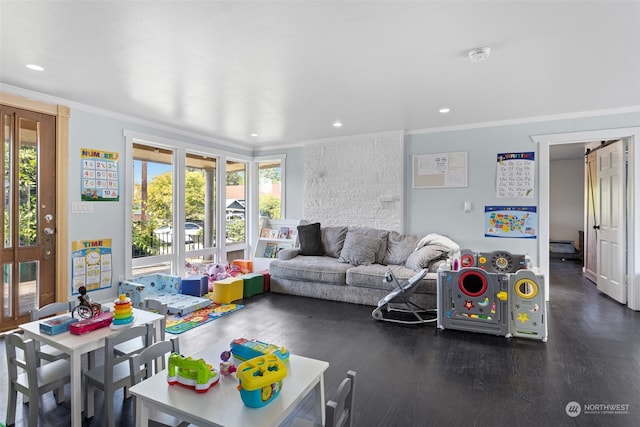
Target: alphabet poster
100 175
515 177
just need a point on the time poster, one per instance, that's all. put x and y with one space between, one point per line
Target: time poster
91 264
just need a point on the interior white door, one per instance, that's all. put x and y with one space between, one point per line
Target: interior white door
611 226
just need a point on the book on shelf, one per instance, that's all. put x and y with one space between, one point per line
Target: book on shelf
265 233
283 233
292 233
270 250
273 234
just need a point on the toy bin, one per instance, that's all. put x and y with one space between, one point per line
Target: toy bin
195 285
260 380
227 290
246 265
253 284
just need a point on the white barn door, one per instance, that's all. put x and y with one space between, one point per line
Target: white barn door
611 227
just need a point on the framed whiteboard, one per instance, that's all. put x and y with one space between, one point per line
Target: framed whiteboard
441 170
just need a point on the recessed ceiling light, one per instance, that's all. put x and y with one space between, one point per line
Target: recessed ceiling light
444 110
337 124
35 67
254 134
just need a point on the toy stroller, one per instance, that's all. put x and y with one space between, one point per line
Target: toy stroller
395 306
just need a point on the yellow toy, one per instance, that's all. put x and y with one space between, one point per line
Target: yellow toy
260 379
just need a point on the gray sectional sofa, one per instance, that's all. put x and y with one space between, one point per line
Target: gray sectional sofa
348 264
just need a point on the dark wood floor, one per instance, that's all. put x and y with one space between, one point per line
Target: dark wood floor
422 376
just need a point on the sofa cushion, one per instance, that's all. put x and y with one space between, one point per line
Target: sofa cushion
422 257
372 277
373 232
310 239
311 269
333 240
399 247
359 249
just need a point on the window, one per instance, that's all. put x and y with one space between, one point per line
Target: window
235 209
200 208
269 189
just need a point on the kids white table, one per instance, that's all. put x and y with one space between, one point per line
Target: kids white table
77 345
221 405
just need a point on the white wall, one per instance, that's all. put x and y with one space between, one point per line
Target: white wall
359 177
566 199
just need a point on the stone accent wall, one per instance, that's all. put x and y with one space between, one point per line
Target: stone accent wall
355 180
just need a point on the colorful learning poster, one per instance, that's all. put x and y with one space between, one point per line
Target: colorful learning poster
515 175
99 175
510 221
91 264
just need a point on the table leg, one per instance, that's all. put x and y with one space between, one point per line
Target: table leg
318 392
142 413
76 389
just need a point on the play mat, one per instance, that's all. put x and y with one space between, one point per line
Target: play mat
178 324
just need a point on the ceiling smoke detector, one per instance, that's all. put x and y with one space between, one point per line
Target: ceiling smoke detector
479 54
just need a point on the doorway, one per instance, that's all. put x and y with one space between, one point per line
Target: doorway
28 209
631 238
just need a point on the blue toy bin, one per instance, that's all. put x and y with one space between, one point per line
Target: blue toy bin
260 380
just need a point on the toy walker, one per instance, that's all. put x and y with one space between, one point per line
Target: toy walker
397 306
192 373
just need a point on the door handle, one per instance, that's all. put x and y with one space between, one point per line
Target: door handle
48 231
596 227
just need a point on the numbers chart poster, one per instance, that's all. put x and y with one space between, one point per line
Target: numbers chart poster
100 175
91 264
515 175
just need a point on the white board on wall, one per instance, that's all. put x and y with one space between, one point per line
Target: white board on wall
440 170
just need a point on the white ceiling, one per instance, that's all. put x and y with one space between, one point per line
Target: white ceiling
287 70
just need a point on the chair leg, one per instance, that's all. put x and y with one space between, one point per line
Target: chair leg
33 411
11 406
108 405
59 395
89 401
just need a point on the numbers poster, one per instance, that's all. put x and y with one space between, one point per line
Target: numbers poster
91 264
515 175
100 175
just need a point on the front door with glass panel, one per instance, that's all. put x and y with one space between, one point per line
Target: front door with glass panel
28 209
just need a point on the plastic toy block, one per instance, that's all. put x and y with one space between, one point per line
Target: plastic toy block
195 285
267 279
227 290
253 284
246 265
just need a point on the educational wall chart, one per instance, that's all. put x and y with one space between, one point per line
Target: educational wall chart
100 175
440 170
515 176
91 264
510 221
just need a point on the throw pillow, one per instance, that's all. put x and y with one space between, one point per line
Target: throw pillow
359 249
422 257
399 247
374 232
310 239
333 240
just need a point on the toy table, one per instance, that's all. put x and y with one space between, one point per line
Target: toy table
222 404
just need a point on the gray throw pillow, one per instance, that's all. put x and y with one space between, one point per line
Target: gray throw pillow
374 232
310 239
359 249
333 240
399 247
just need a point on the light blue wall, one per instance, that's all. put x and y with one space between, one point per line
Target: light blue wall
441 210
91 130
426 210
